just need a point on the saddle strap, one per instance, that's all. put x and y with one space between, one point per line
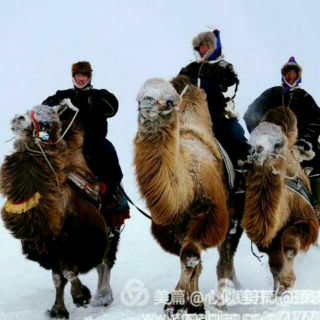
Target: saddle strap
297 185
89 188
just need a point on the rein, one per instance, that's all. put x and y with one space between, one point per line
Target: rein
38 140
251 159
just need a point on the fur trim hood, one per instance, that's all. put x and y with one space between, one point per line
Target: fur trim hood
291 65
213 40
82 67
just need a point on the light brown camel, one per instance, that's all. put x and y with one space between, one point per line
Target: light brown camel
276 218
57 226
182 177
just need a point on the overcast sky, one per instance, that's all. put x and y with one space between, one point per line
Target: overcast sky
128 42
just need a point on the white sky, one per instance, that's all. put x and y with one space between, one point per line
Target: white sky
128 42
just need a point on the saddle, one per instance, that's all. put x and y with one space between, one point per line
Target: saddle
296 184
229 166
115 209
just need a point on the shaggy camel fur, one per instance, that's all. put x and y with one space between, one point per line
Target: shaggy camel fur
58 228
182 177
277 219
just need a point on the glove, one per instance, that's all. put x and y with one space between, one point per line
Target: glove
193 81
304 145
303 151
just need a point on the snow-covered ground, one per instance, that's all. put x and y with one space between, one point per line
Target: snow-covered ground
27 290
128 42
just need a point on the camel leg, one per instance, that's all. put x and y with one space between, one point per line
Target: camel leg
179 300
59 310
196 301
225 267
290 245
276 260
104 295
80 293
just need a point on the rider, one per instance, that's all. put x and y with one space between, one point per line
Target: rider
218 79
290 95
95 107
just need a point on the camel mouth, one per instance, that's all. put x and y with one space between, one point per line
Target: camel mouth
150 108
268 142
157 99
20 125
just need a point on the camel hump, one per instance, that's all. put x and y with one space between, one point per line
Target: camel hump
285 119
180 82
159 89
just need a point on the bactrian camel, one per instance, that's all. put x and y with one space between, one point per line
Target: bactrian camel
57 226
182 177
279 220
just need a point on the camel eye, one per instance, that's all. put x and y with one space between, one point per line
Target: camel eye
169 103
278 145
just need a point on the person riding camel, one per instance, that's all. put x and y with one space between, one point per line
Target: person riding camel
220 82
290 95
95 107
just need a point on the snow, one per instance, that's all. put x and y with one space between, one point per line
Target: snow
158 89
127 43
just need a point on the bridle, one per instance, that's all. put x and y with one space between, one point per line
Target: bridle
38 140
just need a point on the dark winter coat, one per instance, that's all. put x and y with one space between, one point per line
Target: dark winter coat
305 109
95 106
298 100
216 77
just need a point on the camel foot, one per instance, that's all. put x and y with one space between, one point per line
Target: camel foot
57 313
199 309
103 299
280 291
82 298
174 310
220 305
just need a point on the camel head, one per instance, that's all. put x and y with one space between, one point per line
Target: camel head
42 122
268 142
158 100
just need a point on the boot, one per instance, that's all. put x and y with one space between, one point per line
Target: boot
315 195
115 209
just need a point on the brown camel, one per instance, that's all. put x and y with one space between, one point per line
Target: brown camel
182 177
57 226
280 221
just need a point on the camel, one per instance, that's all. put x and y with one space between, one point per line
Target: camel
182 177
58 227
279 220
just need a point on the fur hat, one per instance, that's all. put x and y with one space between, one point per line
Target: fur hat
82 67
291 65
213 41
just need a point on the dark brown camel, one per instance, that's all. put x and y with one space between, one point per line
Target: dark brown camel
58 227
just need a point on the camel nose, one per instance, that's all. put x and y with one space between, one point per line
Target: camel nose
259 149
